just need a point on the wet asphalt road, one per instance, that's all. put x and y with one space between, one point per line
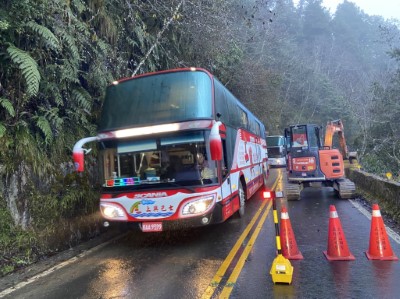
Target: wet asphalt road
315 276
185 264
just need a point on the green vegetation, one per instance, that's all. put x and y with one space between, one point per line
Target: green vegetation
288 64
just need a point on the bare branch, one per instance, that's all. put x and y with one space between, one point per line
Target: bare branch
159 35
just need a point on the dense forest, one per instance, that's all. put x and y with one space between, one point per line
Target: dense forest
288 64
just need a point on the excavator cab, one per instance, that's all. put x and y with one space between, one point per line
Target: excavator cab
303 152
303 137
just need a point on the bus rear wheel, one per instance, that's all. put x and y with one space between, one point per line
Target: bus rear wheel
242 200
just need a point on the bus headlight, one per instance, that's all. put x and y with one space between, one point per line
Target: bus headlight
198 206
112 211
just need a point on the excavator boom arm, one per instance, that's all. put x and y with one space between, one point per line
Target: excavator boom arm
332 127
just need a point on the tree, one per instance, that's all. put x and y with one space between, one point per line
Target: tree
383 151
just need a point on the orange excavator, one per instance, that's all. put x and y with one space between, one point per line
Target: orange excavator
309 162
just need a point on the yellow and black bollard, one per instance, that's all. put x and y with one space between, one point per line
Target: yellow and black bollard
282 269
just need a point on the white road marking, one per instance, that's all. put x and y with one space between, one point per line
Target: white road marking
56 267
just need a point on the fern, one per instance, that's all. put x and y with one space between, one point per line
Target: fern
2 130
71 45
43 124
53 90
140 33
131 42
98 76
77 118
29 69
82 27
4 25
29 150
82 98
49 38
69 72
6 104
79 6
53 117
103 46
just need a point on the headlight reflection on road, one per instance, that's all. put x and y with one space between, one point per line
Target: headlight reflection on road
113 280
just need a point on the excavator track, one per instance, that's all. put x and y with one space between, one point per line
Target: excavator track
345 188
292 191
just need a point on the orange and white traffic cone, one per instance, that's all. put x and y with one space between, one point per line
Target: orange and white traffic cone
379 245
288 241
338 249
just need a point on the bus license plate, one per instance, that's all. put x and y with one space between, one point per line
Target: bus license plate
151 227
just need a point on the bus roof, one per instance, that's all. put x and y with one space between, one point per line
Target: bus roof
192 69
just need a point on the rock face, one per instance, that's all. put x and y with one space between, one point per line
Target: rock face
14 188
17 191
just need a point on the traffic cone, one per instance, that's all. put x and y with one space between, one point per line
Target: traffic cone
289 244
379 245
337 244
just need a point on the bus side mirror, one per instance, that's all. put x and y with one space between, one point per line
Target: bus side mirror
215 142
78 153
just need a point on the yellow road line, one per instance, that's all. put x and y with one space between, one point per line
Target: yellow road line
222 269
239 266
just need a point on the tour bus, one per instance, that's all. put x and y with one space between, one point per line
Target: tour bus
276 151
176 149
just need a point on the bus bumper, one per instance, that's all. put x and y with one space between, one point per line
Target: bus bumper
166 225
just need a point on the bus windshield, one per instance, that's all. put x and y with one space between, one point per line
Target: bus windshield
157 98
275 141
176 160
